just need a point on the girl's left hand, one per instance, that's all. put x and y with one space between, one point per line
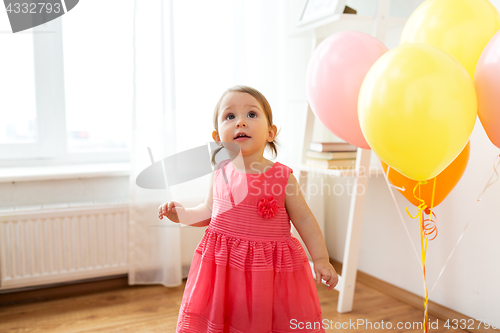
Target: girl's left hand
325 271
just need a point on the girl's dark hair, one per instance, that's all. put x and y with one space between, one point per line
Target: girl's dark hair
273 146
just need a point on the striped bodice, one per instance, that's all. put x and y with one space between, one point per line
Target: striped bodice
235 203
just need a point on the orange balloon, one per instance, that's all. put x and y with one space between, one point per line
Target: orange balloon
445 181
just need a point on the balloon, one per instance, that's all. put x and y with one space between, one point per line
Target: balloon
461 27
445 181
334 75
417 108
487 83
494 9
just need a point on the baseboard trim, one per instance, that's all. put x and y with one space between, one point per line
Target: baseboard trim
70 289
416 301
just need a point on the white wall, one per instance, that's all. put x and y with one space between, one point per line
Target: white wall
469 284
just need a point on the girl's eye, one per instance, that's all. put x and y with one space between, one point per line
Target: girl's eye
251 114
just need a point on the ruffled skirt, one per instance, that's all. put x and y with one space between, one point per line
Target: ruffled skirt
238 285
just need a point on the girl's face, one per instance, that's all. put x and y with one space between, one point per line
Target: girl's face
242 121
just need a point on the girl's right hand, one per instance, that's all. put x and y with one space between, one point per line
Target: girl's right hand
169 210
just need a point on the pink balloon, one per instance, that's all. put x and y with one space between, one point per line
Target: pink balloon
487 83
336 70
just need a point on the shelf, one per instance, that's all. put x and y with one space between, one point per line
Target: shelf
341 22
373 171
317 31
395 22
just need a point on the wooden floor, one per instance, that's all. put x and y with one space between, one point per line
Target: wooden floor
155 308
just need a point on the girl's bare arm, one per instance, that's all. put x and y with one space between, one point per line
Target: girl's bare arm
199 216
308 228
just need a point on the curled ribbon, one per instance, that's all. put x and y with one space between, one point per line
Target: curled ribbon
429 225
422 206
424 254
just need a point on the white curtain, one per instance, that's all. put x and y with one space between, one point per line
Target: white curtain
186 53
154 245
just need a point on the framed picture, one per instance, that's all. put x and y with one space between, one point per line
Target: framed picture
315 10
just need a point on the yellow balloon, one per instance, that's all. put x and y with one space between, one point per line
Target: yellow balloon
461 27
494 9
417 108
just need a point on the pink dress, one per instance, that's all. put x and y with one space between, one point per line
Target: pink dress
249 274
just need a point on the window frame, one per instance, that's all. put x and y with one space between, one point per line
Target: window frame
51 145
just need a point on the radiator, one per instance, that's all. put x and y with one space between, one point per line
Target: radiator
49 246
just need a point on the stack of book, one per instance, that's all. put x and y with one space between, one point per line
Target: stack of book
331 155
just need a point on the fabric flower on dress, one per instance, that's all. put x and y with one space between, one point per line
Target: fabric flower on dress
268 207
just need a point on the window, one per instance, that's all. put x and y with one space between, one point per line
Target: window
98 75
17 105
69 87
